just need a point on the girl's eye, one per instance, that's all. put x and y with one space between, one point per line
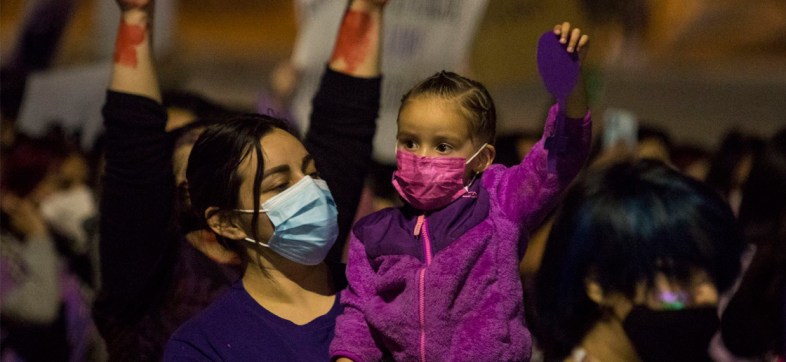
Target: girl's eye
444 147
408 144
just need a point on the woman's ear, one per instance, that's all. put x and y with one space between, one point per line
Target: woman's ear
207 242
223 225
485 158
613 303
594 291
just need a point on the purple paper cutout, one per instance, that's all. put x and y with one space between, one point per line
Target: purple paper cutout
560 72
558 68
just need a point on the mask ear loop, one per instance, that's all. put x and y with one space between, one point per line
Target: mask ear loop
482 147
474 173
468 193
250 240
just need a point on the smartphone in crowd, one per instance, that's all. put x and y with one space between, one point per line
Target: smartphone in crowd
619 126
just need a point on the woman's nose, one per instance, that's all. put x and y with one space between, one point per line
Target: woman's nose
296 177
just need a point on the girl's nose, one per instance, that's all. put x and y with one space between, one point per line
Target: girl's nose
426 151
423 152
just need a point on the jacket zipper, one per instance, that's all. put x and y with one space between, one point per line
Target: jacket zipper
421 227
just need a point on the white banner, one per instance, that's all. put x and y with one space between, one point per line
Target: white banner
420 39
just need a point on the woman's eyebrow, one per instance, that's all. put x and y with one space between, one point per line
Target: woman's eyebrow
275 170
307 160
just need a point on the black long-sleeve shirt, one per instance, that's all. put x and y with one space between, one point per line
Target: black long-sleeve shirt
152 279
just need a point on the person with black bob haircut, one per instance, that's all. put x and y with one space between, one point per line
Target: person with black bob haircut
634 265
752 325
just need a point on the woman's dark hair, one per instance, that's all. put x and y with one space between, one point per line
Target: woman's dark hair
763 205
620 226
213 179
685 155
752 323
28 163
648 131
474 101
733 150
200 106
189 133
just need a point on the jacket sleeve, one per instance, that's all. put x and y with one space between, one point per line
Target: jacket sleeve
340 135
353 338
528 191
136 248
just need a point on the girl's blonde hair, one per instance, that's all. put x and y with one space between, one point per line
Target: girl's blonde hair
471 96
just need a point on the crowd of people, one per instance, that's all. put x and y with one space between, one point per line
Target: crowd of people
193 231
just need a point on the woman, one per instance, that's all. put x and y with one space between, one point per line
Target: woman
150 275
752 324
260 193
633 267
44 303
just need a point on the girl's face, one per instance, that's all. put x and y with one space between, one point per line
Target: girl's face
430 126
286 162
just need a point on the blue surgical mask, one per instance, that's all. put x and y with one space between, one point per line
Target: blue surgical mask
305 220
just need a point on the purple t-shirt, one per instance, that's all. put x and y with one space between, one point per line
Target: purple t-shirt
237 328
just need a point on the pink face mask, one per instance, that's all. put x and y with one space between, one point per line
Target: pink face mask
429 183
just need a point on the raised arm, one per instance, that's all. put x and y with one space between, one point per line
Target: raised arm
345 108
358 48
137 249
133 70
545 172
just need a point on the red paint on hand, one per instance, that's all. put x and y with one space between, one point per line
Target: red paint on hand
128 37
352 45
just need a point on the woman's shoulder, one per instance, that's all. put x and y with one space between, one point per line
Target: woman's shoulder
213 320
210 333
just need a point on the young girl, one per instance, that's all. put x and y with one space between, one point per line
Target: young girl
438 278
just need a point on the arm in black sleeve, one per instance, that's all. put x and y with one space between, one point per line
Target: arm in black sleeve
136 248
340 137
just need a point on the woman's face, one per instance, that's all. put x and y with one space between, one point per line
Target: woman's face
666 294
286 162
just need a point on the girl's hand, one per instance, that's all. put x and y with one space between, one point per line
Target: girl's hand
575 43
572 38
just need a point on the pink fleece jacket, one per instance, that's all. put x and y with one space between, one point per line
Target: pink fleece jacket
445 285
